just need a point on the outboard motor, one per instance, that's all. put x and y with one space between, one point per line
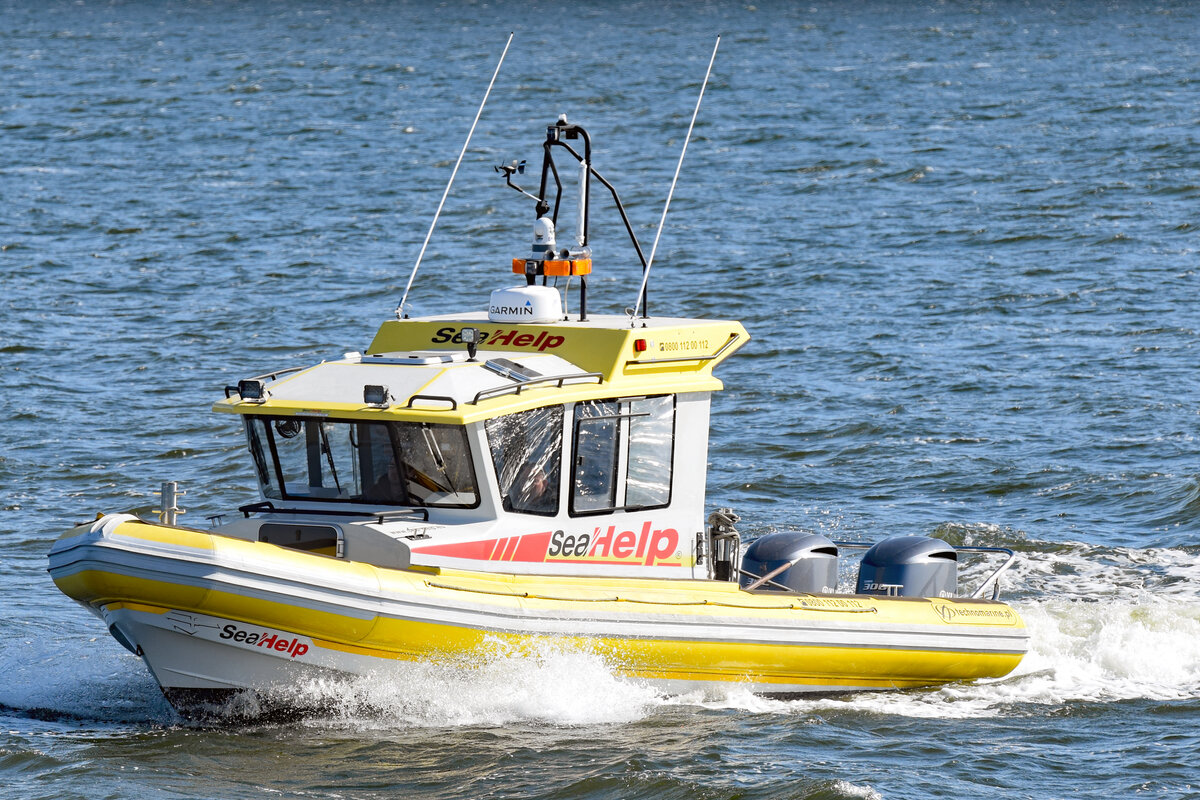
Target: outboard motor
909 566
813 561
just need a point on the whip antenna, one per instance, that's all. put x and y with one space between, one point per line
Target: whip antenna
463 152
641 298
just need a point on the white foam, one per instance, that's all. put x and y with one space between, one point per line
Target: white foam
548 682
1111 624
851 790
1144 646
731 697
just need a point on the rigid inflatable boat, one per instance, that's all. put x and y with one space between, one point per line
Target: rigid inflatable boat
511 476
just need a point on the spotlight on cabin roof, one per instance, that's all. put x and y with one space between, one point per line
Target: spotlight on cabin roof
252 390
377 396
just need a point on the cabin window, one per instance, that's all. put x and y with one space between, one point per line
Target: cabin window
597 432
391 463
637 433
527 453
651 448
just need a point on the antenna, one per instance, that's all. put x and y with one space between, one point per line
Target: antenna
463 152
641 298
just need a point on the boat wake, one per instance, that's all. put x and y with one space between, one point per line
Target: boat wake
1105 625
68 680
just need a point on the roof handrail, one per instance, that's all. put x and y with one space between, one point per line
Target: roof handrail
440 398
515 388
267 376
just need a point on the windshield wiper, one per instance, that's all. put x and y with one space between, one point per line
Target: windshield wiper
329 456
439 460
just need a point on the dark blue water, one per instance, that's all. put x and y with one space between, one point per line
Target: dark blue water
964 237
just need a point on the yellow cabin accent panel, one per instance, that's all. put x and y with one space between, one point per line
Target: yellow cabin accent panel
603 345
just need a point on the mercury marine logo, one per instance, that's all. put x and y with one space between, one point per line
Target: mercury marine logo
544 340
271 641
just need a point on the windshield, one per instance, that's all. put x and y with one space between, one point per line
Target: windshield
392 463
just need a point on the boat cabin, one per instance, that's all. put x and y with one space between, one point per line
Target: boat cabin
560 447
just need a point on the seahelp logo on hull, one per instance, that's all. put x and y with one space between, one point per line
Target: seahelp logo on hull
648 546
292 647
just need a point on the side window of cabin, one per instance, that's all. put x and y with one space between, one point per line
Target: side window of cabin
527 453
651 451
597 436
622 454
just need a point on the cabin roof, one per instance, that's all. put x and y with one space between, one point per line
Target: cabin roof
424 367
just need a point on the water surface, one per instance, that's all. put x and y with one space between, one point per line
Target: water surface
963 236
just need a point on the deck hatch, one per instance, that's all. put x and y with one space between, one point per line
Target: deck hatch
511 369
